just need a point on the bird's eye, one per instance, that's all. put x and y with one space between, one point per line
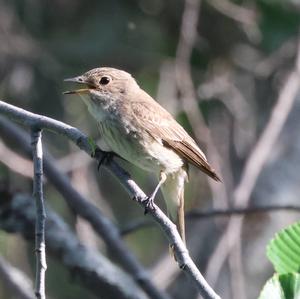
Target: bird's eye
104 80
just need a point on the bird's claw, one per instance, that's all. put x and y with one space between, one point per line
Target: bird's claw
149 204
106 158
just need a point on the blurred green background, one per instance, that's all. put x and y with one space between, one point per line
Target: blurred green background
241 55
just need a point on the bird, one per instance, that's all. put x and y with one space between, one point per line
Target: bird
138 129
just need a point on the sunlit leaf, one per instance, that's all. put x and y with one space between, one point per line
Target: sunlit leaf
284 286
284 250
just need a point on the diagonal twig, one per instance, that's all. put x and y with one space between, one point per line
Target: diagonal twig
188 99
254 165
15 162
87 267
17 281
101 224
184 260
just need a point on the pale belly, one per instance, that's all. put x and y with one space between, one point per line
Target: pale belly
145 153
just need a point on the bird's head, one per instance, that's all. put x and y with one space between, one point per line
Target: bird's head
103 82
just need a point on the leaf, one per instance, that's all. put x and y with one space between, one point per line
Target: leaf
284 250
272 289
284 286
290 284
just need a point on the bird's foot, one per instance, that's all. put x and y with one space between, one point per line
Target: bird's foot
106 158
149 204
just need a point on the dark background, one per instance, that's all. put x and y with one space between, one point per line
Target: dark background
238 58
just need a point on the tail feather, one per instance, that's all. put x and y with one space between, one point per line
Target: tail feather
180 221
173 192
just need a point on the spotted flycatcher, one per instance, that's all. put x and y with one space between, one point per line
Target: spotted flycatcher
135 127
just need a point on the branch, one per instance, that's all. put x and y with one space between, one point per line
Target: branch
88 267
255 164
169 228
15 162
41 265
102 225
238 13
17 281
188 96
201 215
241 211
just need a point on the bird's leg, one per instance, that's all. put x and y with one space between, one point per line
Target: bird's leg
106 157
150 199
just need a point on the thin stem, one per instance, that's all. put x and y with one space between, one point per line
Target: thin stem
90 268
103 226
181 253
17 281
254 166
41 265
202 215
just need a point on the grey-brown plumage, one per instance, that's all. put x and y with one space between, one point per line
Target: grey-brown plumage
162 127
137 128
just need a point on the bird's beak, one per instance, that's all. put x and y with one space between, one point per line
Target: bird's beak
80 80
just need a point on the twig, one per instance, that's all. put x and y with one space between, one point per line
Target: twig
184 260
202 215
101 224
188 36
254 165
241 211
278 58
87 267
17 281
15 162
238 13
188 99
73 161
41 265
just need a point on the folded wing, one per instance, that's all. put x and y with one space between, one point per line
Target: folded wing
163 127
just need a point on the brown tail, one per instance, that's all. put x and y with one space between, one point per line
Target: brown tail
180 222
180 216
173 192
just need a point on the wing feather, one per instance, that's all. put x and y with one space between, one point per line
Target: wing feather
163 127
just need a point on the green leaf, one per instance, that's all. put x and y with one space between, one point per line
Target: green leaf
284 286
272 289
284 250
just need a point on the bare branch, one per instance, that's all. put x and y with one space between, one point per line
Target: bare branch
238 13
188 36
188 99
199 215
15 162
93 270
254 165
202 215
92 214
101 224
73 161
17 281
40 246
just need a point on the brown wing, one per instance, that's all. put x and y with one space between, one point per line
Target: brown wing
163 127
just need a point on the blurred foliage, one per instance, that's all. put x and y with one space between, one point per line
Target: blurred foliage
237 68
279 22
